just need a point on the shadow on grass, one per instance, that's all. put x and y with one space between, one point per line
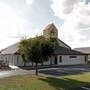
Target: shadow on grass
60 73
64 84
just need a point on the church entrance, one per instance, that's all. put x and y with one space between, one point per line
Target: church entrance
55 60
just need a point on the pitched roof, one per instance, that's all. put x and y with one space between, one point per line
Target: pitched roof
83 49
64 51
58 51
11 49
65 45
50 26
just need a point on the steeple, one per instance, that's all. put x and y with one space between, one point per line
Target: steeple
50 31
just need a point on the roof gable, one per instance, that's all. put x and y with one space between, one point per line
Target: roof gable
64 51
62 44
83 49
11 49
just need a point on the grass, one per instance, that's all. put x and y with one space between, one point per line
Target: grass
88 62
28 82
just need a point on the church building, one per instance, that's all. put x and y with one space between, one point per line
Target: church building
63 54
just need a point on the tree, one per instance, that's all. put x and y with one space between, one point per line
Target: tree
23 47
37 49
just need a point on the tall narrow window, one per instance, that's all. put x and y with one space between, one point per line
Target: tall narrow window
1 57
60 59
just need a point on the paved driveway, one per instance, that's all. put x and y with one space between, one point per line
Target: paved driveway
62 71
54 72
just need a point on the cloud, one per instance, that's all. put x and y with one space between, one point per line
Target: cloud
12 27
29 2
20 18
9 25
76 16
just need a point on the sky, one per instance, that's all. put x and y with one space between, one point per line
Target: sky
27 18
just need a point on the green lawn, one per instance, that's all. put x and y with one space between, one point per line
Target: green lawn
28 82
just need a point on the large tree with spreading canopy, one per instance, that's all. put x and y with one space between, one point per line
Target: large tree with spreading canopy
37 49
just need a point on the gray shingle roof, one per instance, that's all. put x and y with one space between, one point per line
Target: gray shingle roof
64 44
64 51
84 50
11 49
58 51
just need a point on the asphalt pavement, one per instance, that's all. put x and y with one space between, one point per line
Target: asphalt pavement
53 72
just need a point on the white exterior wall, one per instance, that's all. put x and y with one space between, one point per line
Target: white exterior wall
18 60
12 59
52 59
66 60
47 62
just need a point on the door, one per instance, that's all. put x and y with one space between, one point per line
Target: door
55 61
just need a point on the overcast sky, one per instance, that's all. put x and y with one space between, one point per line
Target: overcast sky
20 18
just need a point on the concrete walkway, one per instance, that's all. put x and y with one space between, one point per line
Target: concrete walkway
15 72
52 72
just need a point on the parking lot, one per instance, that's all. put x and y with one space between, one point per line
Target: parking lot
68 70
52 72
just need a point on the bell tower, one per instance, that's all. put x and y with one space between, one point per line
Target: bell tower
50 31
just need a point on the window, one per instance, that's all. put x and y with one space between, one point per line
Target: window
1 57
73 56
60 59
52 32
6 58
86 59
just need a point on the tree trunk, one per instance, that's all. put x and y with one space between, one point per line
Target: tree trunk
42 63
32 64
24 63
36 69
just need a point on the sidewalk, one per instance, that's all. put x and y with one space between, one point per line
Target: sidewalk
15 72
